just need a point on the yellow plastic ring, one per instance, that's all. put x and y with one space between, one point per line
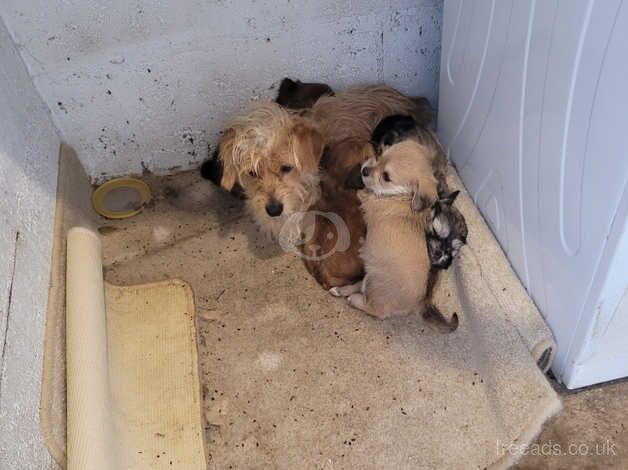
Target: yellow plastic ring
101 192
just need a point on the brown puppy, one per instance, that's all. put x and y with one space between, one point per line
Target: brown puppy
399 191
356 112
335 230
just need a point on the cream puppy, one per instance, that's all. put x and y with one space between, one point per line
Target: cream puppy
399 190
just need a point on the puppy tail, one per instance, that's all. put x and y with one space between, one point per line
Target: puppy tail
435 318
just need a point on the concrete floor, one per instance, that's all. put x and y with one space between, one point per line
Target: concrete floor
590 432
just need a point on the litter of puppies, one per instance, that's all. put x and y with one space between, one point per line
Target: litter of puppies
355 181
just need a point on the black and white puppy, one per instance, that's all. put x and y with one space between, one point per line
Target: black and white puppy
393 129
447 230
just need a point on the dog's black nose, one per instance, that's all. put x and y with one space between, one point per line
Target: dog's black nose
274 208
365 171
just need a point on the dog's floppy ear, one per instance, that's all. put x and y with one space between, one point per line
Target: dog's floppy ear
229 178
307 145
225 157
423 194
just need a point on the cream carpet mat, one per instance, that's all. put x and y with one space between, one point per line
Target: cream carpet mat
133 397
293 378
137 402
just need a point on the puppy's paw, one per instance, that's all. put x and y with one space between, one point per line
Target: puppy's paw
357 300
347 290
335 291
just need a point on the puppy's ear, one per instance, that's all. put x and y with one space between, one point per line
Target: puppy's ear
326 159
286 89
307 145
420 201
436 209
287 84
450 198
354 178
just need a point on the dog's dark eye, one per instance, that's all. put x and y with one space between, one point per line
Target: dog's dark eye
286 168
386 176
253 173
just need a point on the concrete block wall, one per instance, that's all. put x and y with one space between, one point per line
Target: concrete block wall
29 149
147 84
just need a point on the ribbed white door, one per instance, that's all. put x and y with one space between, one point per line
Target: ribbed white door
534 114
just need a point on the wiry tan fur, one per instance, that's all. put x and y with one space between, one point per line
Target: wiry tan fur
257 145
396 213
356 112
408 165
395 257
267 134
270 136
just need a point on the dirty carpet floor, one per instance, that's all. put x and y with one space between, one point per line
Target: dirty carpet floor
276 366
274 348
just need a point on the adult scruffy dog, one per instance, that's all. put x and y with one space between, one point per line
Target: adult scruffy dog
274 153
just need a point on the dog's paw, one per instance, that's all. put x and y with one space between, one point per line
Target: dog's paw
346 291
357 301
335 291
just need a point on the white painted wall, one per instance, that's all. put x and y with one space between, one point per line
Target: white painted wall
29 148
151 83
